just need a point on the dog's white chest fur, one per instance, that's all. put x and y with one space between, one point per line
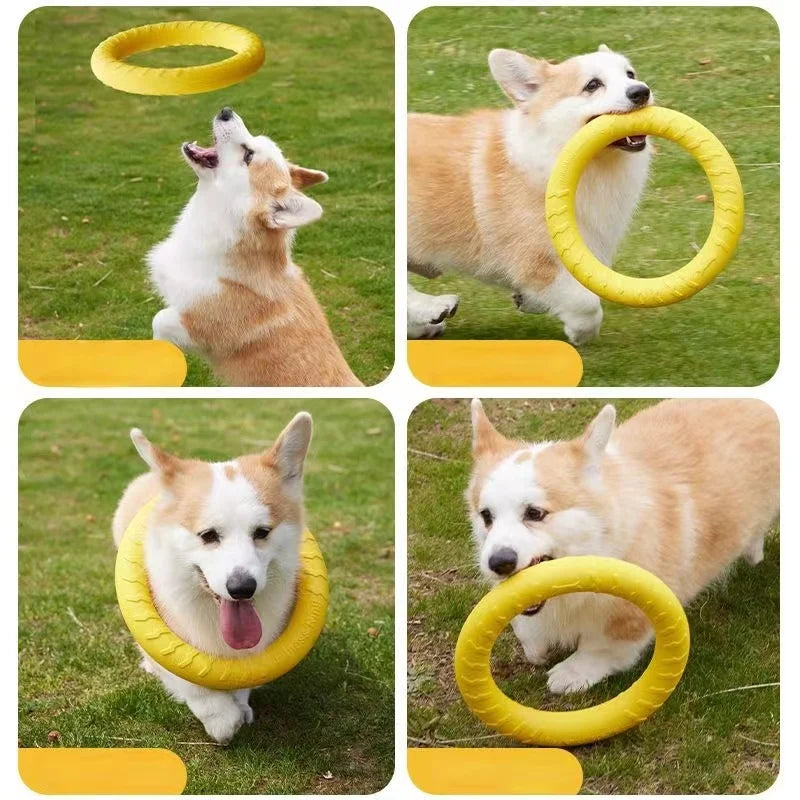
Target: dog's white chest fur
189 263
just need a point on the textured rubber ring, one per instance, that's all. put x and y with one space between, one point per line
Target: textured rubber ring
109 66
180 658
550 579
725 227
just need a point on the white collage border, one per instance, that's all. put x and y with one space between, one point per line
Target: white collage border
400 392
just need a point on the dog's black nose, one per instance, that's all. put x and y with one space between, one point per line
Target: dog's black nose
638 93
503 561
240 585
225 114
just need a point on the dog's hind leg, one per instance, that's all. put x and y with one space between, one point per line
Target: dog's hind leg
578 309
427 313
167 326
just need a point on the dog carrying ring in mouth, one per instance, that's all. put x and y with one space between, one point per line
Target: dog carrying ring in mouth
726 226
178 657
109 66
550 579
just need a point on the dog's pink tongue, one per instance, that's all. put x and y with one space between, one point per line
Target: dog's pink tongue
241 627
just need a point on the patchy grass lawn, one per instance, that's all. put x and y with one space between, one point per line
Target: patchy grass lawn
703 741
325 727
720 66
101 178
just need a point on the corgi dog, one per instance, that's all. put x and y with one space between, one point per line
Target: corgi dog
683 489
232 292
476 187
222 553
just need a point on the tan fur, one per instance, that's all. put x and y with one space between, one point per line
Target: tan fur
261 472
264 327
189 483
715 459
467 200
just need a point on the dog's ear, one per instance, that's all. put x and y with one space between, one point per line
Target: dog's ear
604 48
288 454
164 464
303 177
484 435
292 210
596 436
518 75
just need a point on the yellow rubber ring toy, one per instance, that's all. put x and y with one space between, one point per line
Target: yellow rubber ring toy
550 579
725 228
108 58
180 658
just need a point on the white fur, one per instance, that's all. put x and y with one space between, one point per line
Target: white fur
607 196
572 621
173 556
188 265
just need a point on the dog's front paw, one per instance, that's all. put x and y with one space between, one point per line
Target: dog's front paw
576 674
535 654
247 711
222 725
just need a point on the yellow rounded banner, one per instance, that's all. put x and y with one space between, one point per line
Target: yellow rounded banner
494 770
99 770
135 362
495 362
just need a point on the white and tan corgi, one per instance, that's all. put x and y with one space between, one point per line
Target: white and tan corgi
683 488
476 187
222 552
232 291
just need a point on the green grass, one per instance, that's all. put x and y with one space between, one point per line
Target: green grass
101 179
698 743
720 66
78 673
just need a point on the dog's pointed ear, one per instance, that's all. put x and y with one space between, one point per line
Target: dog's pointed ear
303 177
292 210
288 454
164 464
518 75
604 48
597 434
485 436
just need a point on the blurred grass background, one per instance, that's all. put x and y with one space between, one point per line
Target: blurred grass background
101 179
325 727
718 65
704 740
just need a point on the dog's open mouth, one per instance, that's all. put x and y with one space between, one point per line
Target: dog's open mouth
634 143
204 156
529 612
239 622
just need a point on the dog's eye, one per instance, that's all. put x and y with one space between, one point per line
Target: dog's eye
534 514
248 154
210 536
631 74
261 532
487 517
593 85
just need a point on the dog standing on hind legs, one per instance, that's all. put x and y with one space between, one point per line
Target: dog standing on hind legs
683 488
476 187
232 291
